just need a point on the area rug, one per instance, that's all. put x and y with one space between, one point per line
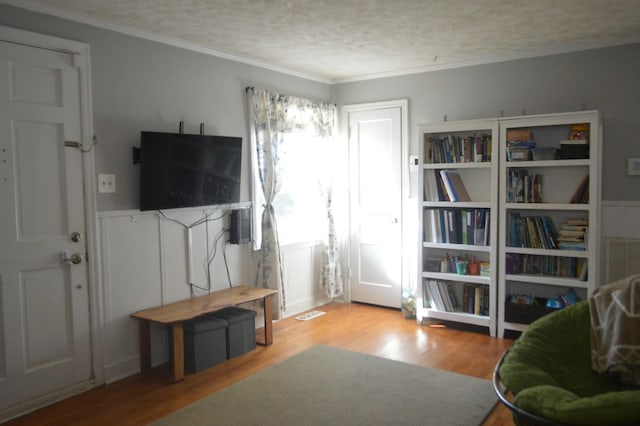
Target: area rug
329 386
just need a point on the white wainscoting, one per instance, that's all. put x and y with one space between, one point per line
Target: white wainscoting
144 264
620 221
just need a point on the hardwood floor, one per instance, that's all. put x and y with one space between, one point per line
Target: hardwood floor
140 399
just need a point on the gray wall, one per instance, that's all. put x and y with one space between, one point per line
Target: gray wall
603 79
143 85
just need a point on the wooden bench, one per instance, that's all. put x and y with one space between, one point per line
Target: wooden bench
174 314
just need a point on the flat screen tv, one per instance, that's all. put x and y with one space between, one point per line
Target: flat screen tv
186 170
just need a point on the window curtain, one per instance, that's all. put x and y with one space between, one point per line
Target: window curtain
272 115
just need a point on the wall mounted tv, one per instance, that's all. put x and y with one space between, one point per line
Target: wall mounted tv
187 170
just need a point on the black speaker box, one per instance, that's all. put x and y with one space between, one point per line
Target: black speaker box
240 232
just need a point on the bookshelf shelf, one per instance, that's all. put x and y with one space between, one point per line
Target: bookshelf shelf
456 247
548 163
457 204
546 280
470 165
556 272
455 277
547 206
515 326
480 320
547 252
472 220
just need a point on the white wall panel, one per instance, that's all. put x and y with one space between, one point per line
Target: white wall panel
130 252
144 264
619 222
301 268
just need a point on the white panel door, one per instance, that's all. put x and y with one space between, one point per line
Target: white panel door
44 313
375 145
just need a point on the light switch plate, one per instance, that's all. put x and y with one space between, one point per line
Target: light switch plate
633 166
106 183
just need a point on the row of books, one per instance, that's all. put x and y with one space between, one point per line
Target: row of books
523 188
475 299
531 232
457 149
441 296
457 226
573 234
556 266
444 185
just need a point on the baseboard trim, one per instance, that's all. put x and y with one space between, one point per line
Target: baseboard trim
44 400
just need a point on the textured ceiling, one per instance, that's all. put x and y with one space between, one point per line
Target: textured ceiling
342 40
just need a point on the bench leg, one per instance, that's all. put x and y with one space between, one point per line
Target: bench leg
268 322
178 352
145 345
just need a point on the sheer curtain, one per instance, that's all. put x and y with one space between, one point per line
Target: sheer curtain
273 118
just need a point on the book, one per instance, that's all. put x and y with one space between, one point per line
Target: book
431 192
581 194
454 186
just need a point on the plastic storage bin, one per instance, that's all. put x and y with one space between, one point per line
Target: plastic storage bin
204 343
518 154
545 153
241 329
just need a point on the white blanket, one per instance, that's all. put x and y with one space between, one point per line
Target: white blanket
615 329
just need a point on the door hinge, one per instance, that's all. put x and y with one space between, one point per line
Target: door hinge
72 144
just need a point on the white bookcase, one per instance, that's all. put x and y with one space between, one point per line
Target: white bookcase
535 192
528 269
463 297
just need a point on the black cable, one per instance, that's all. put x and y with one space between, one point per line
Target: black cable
226 265
172 219
215 245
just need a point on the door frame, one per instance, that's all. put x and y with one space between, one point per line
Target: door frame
406 218
82 60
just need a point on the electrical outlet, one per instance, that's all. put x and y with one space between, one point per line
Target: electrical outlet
106 183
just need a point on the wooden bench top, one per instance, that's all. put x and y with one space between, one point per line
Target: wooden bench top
184 310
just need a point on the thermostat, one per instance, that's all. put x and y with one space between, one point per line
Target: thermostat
633 166
413 163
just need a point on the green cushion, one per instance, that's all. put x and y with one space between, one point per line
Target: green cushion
548 369
561 405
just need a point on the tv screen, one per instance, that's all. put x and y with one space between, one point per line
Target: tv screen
185 170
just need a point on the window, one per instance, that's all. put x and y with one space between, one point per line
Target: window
299 204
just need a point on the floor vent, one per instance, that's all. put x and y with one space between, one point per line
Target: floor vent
310 315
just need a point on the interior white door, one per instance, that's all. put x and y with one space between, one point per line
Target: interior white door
45 343
375 145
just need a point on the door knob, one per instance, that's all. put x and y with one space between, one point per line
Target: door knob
76 237
75 258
